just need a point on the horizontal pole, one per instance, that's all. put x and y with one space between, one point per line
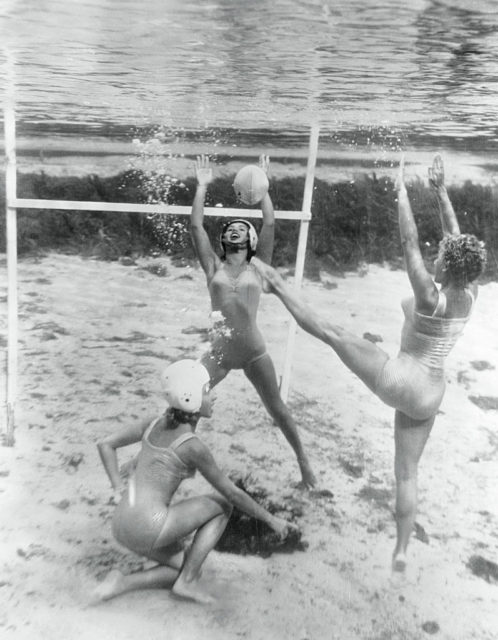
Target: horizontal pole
173 209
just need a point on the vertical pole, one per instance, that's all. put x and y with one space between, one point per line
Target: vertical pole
11 228
301 254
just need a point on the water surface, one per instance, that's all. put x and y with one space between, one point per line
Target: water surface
364 69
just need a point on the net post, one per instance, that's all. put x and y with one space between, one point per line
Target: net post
11 238
300 257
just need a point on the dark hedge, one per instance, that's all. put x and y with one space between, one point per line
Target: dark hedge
352 222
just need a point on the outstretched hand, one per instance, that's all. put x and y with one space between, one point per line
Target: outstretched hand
436 172
203 171
400 178
264 163
283 528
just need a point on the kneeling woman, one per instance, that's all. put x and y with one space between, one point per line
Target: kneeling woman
145 520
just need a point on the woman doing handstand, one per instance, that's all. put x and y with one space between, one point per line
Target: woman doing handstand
413 383
235 289
146 520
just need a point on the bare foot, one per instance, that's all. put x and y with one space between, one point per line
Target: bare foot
191 591
110 587
399 563
398 578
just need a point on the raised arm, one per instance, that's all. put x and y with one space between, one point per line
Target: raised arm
202 245
424 289
108 454
447 214
264 250
196 453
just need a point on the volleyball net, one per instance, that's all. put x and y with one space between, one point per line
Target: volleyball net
14 203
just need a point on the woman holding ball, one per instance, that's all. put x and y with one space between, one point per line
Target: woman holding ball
235 289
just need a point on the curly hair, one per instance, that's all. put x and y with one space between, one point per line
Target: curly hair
463 256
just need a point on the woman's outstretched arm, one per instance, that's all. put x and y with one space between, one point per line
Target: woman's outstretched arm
447 214
424 289
202 245
266 239
194 452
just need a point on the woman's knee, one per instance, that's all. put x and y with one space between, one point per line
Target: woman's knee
170 556
279 411
339 338
225 506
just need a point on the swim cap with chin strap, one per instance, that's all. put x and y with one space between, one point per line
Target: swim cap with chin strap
252 242
183 384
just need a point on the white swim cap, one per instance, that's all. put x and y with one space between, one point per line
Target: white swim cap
252 234
251 184
183 384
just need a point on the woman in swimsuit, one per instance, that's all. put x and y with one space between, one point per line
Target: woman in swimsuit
413 382
235 289
146 521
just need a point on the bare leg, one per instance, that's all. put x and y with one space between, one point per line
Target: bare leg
209 515
216 372
262 375
183 518
204 541
116 583
361 356
410 437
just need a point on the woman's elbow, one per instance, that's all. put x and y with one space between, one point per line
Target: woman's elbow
409 237
229 494
225 504
232 496
410 244
196 229
104 447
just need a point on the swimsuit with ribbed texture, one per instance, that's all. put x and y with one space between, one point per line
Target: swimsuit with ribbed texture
414 381
238 300
140 516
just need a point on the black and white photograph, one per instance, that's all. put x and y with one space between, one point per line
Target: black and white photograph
248 311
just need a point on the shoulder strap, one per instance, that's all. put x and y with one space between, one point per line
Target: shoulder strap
151 426
440 309
181 439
